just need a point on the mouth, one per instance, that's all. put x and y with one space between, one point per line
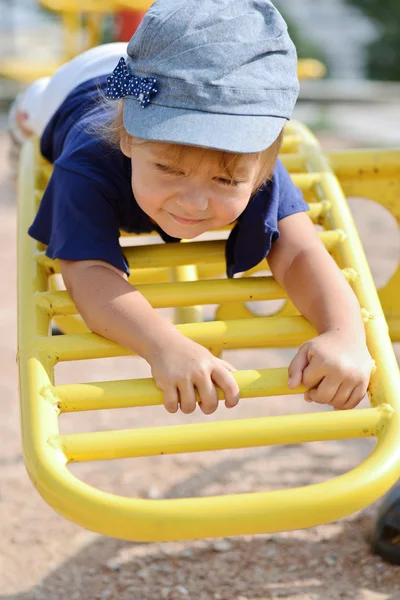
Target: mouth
183 221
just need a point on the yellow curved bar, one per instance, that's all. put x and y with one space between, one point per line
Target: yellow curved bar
47 453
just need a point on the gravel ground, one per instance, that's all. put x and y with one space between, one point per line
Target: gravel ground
43 556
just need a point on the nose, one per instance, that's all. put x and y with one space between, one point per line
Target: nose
193 201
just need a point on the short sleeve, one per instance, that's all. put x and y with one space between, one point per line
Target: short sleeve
290 198
257 228
77 220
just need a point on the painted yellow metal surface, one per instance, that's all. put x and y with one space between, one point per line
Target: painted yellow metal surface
324 179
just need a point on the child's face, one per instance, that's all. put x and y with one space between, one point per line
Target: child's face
196 198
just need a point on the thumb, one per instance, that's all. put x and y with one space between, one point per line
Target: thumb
297 366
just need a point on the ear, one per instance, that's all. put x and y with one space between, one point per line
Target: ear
125 145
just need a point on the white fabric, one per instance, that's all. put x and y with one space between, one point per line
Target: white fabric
41 99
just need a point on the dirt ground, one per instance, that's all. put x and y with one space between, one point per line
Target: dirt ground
43 556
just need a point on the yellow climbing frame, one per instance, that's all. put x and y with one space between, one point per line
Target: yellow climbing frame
324 179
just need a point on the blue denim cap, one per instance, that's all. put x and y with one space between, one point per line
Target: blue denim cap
226 73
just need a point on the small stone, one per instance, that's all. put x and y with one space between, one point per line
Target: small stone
153 493
270 552
162 568
113 565
165 592
76 596
181 590
217 596
92 571
187 553
331 559
313 562
143 573
222 546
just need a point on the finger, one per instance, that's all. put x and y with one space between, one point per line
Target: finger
296 367
208 395
228 366
314 373
187 397
342 396
356 396
324 392
171 399
226 382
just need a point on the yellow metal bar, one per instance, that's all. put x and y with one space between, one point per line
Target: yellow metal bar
305 181
167 255
294 163
144 392
185 312
290 143
242 433
264 332
353 164
187 293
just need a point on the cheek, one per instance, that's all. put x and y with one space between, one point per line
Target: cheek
148 193
229 211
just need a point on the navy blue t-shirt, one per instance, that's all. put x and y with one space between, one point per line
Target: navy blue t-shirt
89 196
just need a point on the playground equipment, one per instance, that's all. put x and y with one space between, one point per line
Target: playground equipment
326 180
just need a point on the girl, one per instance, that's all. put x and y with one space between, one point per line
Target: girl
204 92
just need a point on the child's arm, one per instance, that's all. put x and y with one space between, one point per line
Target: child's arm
113 308
336 365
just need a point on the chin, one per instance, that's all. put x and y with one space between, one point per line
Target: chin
182 231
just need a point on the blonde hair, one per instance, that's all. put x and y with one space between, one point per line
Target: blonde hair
228 162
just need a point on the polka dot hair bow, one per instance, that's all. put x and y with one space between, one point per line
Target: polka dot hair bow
122 83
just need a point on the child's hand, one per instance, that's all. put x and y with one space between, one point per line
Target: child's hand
181 367
336 368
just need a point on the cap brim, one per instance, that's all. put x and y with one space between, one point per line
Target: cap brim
232 133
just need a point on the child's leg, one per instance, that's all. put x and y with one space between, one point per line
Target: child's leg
33 109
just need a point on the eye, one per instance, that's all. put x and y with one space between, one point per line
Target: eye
166 169
229 182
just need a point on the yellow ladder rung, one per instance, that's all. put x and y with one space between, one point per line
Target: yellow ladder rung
170 255
290 143
263 332
73 397
203 437
186 293
294 163
306 181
